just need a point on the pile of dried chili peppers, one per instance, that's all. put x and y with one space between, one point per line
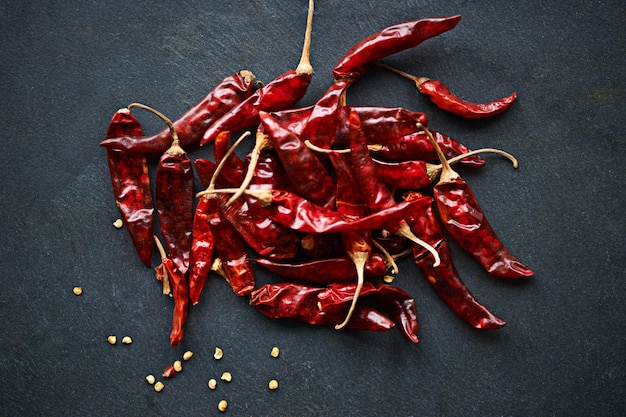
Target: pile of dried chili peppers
329 197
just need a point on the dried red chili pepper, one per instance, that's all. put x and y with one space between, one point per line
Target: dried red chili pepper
234 169
174 197
467 224
300 302
202 245
169 372
324 245
445 279
180 292
281 93
131 185
443 98
190 127
391 40
325 271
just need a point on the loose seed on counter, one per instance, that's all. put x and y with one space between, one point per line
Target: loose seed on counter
178 366
388 279
118 223
273 384
158 387
187 355
212 383
150 379
112 339
77 290
218 353
222 405
275 352
226 376
127 340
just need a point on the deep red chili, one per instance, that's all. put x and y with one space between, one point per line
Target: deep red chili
393 39
190 127
131 186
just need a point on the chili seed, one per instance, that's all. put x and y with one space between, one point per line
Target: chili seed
112 339
388 279
77 290
222 405
150 379
275 352
218 353
226 376
118 223
178 366
212 383
273 384
127 340
158 387
187 355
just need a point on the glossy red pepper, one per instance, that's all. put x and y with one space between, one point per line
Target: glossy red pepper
202 245
443 98
281 93
234 169
190 127
131 186
445 279
300 302
467 224
391 40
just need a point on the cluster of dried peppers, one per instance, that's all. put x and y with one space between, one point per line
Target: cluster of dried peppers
327 199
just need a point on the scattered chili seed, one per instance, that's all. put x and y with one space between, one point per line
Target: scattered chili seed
222 405
118 223
275 352
273 384
212 383
127 340
169 372
388 279
151 379
187 355
226 376
218 353
178 366
158 387
112 339
77 290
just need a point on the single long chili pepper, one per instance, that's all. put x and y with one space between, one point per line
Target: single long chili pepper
443 98
131 186
391 40
174 197
325 271
305 171
467 224
300 302
445 279
180 293
281 93
190 127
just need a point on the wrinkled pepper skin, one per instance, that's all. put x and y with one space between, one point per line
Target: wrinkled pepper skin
131 186
180 293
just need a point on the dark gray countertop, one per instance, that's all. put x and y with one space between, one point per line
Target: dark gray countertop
68 66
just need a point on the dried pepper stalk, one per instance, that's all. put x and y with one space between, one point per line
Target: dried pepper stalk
131 185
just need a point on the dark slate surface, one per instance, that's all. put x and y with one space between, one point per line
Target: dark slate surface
68 66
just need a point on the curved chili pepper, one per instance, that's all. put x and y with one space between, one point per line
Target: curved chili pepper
202 245
325 271
445 279
131 186
281 93
467 224
180 293
321 125
174 197
300 302
393 39
305 171
234 170
190 127
443 98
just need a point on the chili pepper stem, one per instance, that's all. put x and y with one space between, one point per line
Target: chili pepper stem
166 280
304 67
417 80
307 142
434 169
262 142
391 263
405 231
359 259
175 149
224 160
447 173
263 195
